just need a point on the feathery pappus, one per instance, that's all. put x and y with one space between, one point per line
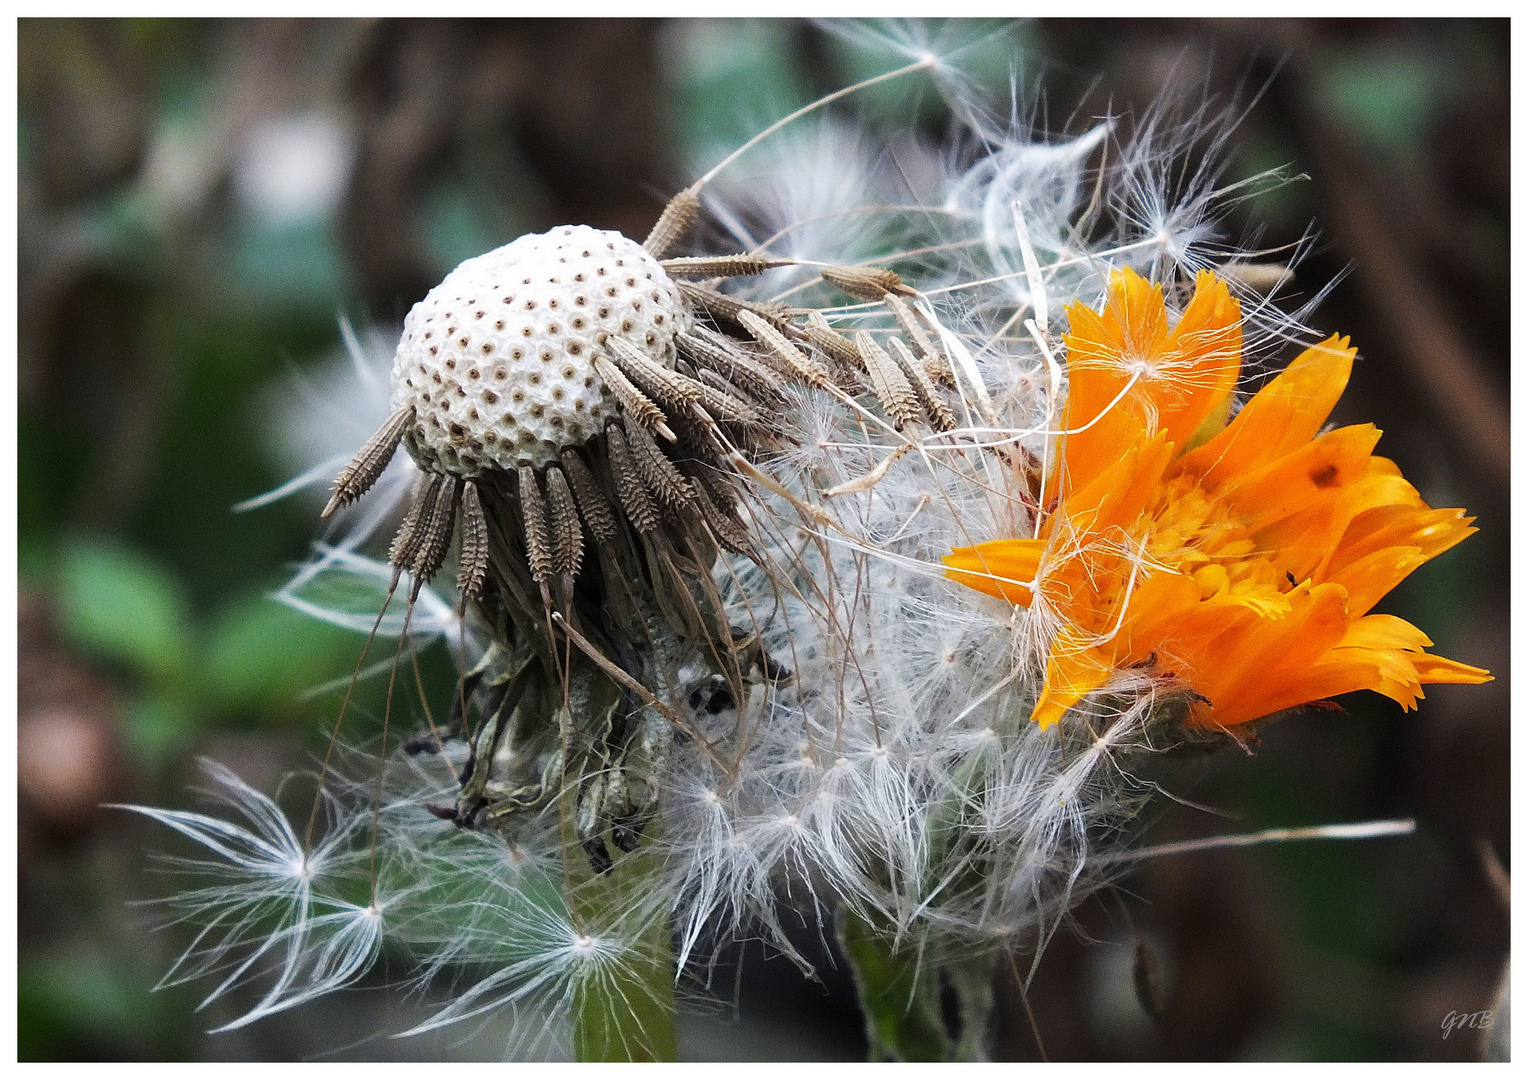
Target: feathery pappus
723 513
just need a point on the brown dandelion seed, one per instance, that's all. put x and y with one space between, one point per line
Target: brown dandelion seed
592 504
435 540
723 525
797 362
629 488
726 308
724 266
722 403
538 547
722 355
865 282
831 342
939 414
934 362
356 478
654 379
409 536
567 537
636 404
887 382
657 471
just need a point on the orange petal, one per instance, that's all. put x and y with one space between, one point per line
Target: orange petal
1000 568
1280 417
1384 632
1104 353
1431 531
1127 360
1202 363
1090 651
1370 578
1156 611
1306 544
1136 313
1100 348
1388 652
1437 669
1378 652
1071 674
1316 684
1092 448
1267 659
1295 481
1123 489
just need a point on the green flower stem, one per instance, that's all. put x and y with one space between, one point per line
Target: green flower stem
918 1006
921 1002
629 1016
625 1011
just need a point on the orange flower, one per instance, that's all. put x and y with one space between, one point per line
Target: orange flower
1238 560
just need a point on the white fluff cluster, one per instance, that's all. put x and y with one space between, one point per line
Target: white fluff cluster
895 771
898 772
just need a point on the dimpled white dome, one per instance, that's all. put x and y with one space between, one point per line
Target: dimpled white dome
498 359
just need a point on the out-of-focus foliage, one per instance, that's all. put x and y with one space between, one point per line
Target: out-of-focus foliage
198 202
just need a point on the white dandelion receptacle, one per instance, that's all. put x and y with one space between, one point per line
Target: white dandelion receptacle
498 360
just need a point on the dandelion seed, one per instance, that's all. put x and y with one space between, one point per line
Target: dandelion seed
319 942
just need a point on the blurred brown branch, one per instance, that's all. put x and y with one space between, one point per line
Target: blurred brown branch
1367 210
1429 343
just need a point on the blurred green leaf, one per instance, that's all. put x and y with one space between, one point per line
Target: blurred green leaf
51 454
1283 201
1387 97
1330 1038
1328 889
211 452
122 232
34 557
980 52
262 654
898 993
466 216
160 726
731 78
65 1001
287 267
125 606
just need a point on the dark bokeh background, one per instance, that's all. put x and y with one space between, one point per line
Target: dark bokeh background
198 201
